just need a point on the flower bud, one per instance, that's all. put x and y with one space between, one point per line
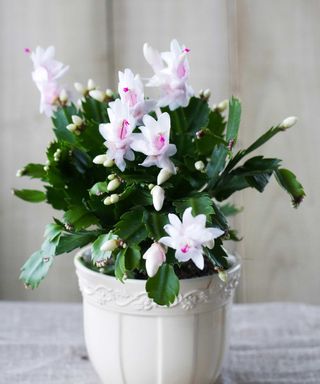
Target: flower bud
288 122
80 88
223 105
155 256
108 163
107 201
201 93
223 275
112 176
100 159
63 96
157 197
114 198
109 92
71 127
77 120
97 95
91 84
113 185
46 168
163 176
199 165
109 245
207 94
20 172
150 186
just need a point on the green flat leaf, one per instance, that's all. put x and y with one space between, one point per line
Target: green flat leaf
218 256
132 258
196 114
61 118
30 195
200 203
216 164
120 268
229 209
164 287
99 188
56 198
35 171
131 227
78 217
206 143
37 266
288 181
216 123
70 241
219 218
96 253
95 110
35 269
155 223
233 121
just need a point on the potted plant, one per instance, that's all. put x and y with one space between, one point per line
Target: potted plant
142 184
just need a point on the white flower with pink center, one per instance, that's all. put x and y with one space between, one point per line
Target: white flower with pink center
155 256
171 74
189 236
131 92
46 72
153 141
118 133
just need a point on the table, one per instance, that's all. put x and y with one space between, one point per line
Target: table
270 343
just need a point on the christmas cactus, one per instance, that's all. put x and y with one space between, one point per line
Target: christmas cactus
143 181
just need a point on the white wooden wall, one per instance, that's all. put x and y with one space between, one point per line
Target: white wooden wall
265 51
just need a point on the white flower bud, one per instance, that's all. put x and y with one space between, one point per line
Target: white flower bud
109 92
223 105
46 168
150 186
80 88
163 176
20 172
289 122
91 84
109 245
199 165
100 159
157 197
114 198
63 96
112 176
223 276
155 256
97 95
201 93
113 185
207 94
71 127
108 163
107 201
77 120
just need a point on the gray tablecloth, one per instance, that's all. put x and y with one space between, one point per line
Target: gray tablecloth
270 343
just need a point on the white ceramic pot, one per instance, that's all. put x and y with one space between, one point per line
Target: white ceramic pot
132 340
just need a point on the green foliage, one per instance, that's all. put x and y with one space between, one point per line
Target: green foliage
200 203
131 227
78 187
30 195
163 288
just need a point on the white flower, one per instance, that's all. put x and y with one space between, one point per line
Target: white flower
155 256
46 72
189 236
171 74
153 141
157 197
118 134
289 122
131 92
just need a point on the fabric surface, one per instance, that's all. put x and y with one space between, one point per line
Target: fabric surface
270 343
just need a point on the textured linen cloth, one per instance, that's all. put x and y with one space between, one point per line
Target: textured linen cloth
270 343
